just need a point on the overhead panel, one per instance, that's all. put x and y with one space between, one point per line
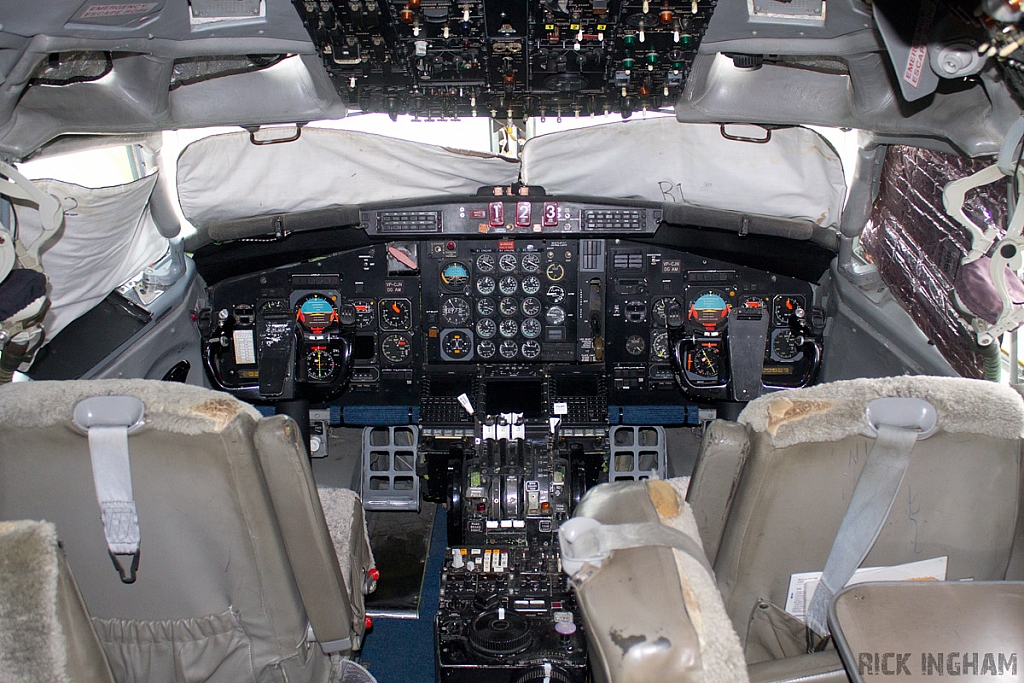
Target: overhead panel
507 58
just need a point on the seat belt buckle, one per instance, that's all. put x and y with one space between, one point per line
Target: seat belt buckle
129 575
902 413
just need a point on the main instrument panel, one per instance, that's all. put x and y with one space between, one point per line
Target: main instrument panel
603 324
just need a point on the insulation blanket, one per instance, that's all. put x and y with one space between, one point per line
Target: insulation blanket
226 177
795 174
109 236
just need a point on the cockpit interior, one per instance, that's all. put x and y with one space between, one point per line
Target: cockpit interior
511 341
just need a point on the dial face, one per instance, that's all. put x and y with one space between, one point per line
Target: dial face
708 308
785 346
508 285
531 284
316 312
783 308
531 306
530 348
508 328
753 302
508 306
555 272
485 285
659 344
396 348
319 365
485 263
660 309
485 307
555 294
486 328
531 328
704 361
457 345
455 311
395 314
486 349
507 263
635 345
274 306
531 262
555 315
508 349
454 275
365 314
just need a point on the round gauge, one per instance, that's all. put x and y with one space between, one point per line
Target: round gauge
454 275
319 365
508 328
708 308
753 302
555 272
555 315
274 306
531 306
661 309
508 285
508 349
785 346
365 315
659 344
508 306
508 263
486 328
485 307
635 345
396 348
531 348
531 284
555 294
531 328
704 361
315 313
455 311
485 285
531 262
395 314
457 345
485 263
486 348
783 308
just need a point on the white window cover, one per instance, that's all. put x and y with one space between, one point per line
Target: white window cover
796 174
226 177
108 237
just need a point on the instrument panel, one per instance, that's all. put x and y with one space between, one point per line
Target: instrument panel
391 323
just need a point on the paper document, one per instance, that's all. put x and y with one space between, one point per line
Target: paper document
802 585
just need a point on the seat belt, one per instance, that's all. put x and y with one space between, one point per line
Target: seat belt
896 424
108 420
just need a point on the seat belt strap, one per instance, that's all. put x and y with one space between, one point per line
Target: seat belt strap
584 539
108 420
869 507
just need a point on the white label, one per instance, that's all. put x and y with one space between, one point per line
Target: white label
561 408
127 9
245 349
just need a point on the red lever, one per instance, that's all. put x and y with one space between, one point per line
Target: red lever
368 621
373 573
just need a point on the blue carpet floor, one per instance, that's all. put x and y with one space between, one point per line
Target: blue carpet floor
402 650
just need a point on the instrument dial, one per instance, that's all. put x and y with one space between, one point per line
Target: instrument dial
316 312
486 328
555 315
784 307
635 345
485 307
508 328
508 306
486 349
508 349
704 361
365 314
396 348
319 365
531 262
455 276
555 294
455 311
395 314
659 311
708 308
555 272
531 284
274 306
508 263
485 285
485 263
530 348
531 328
659 344
508 285
457 345
531 306
785 346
